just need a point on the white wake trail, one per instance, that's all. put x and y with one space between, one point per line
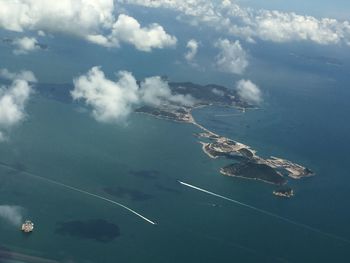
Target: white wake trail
81 191
99 197
267 213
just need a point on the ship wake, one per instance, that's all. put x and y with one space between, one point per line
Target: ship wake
72 188
310 228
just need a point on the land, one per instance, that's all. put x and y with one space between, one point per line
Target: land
255 171
224 147
245 161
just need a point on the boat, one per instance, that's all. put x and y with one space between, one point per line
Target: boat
27 226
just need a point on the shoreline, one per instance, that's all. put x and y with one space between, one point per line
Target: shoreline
205 150
221 146
193 121
294 171
249 178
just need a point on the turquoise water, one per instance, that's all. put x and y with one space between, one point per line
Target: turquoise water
304 118
63 143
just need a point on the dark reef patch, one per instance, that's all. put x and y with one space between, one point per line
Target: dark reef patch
97 229
149 174
59 92
123 192
167 189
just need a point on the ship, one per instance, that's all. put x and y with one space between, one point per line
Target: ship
27 226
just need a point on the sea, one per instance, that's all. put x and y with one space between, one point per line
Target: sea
304 118
140 162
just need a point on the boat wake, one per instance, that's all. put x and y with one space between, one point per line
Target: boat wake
99 197
72 188
329 235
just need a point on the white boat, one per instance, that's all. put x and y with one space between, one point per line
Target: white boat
27 226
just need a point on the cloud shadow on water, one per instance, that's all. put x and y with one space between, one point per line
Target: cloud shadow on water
148 174
96 229
123 192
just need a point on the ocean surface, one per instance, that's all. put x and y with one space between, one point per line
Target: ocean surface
138 164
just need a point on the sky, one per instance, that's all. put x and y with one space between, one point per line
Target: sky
320 8
102 47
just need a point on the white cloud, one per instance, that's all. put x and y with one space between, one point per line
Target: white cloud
23 75
25 45
127 29
13 99
282 27
249 92
232 58
218 92
41 33
113 101
192 46
78 17
88 19
232 19
12 214
154 92
110 100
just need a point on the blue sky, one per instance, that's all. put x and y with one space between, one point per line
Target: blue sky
337 8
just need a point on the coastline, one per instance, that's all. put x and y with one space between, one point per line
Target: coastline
273 168
249 178
295 171
205 150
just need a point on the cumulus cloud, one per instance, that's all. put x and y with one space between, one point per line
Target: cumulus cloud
232 58
192 46
13 99
76 17
113 101
25 45
249 92
218 92
12 214
154 92
41 33
23 75
109 100
88 19
282 27
230 18
128 30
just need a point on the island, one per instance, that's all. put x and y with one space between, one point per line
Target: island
245 161
255 171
